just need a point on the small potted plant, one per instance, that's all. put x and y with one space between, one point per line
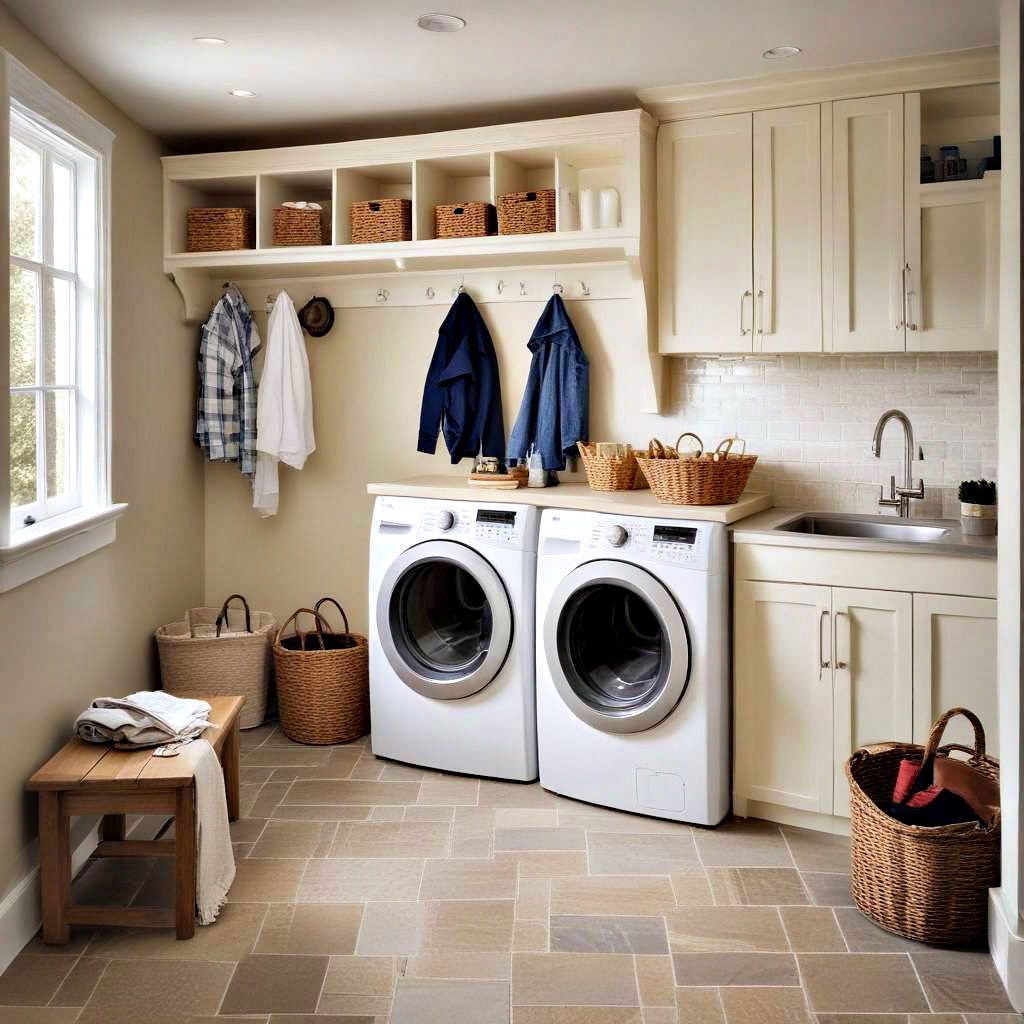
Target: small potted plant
978 507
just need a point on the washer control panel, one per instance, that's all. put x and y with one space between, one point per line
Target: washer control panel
463 520
677 543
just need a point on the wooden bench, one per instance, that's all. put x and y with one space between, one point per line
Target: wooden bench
94 778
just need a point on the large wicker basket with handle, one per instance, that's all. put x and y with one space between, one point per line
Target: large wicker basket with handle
698 477
323 690
219 651
926 884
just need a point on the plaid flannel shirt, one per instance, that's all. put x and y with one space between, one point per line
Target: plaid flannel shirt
226 407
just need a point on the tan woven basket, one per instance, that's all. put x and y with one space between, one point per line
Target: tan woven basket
323 690
697 478
219 652
297 227
526 213
381 220
926 884
609 474
220 229
465 220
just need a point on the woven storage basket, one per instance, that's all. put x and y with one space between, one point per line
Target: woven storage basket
608 474
323 690
926 884
526 213
220 229
465 220
216 652
699 478
297 227
382 220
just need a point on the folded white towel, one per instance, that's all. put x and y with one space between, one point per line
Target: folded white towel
302 206
143 719
216 869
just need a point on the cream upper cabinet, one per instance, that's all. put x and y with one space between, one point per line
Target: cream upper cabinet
705 234
787 230
872 668
783 695
955 665
867 253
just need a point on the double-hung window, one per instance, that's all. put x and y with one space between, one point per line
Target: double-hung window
57 464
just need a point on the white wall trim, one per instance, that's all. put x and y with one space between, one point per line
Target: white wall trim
907 74
20 914
1006 945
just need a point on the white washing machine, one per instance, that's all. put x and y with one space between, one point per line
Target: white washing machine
632 677
451 635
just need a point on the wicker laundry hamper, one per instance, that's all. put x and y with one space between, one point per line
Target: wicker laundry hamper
696 478
323 688
926 884
219 651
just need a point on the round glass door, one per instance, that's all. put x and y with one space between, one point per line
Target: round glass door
444 619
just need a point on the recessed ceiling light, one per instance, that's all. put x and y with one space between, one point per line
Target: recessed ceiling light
781 52
210 40
441 23
242 94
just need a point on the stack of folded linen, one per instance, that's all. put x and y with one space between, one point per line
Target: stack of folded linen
144 719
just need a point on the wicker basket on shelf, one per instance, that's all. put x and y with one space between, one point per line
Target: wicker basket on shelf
297 227
696 478
323 691
382 220
220 229
464 220
526 213
926 884
606 473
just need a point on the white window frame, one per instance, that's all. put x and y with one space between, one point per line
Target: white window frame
85 521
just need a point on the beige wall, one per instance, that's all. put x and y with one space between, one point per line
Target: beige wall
85 630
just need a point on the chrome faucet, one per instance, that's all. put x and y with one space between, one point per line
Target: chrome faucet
899 497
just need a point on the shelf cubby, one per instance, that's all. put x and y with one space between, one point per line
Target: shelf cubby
359 184
966 116
184 194
293 186
522 170
452 179
593 165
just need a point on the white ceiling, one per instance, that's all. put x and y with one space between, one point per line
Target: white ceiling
339 69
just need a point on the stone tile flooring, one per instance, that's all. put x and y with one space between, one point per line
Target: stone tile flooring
372 892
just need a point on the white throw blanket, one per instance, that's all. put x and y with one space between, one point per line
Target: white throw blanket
216 869
143 719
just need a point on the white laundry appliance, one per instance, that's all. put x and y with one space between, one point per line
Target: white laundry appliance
451 635
632 669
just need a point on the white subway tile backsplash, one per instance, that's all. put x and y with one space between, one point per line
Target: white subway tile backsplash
810 418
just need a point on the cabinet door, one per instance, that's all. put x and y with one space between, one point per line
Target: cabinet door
783 743
705 235
872 675
787 230
867 225
955 665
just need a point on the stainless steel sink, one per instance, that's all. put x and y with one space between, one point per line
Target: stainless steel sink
874 527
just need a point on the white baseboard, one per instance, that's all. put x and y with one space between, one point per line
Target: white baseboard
20 915
1006 944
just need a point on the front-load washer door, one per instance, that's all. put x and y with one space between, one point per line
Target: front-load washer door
444 619
616 646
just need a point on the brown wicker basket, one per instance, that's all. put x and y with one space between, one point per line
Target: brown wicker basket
382 220
218 652
526 213
297 227
220 229
465 220
698 478
323 691
926 884
609 474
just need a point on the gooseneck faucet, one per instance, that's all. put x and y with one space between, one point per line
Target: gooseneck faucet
899 497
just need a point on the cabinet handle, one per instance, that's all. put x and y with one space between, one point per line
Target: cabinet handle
744 331
907 305
822 662
840 664
759 310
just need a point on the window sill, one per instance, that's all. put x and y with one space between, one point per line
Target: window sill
37 550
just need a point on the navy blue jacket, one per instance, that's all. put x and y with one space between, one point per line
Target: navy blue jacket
556 404
462 392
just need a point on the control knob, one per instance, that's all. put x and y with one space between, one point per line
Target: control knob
617 536
446 519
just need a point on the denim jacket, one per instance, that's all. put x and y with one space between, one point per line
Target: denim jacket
462 393
556 404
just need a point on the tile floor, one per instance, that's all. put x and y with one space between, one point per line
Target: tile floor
372 892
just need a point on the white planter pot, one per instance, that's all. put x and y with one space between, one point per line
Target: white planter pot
978 520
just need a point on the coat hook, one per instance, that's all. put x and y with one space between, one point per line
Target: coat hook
382 294
583 288
430 292
557 288
501 287
522 287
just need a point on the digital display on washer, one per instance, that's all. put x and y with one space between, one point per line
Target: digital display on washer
675 535
486 515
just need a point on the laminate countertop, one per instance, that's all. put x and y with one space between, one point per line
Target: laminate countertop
575 496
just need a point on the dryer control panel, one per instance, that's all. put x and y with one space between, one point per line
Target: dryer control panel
686 544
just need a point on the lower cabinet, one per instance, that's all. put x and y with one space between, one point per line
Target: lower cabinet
820 671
